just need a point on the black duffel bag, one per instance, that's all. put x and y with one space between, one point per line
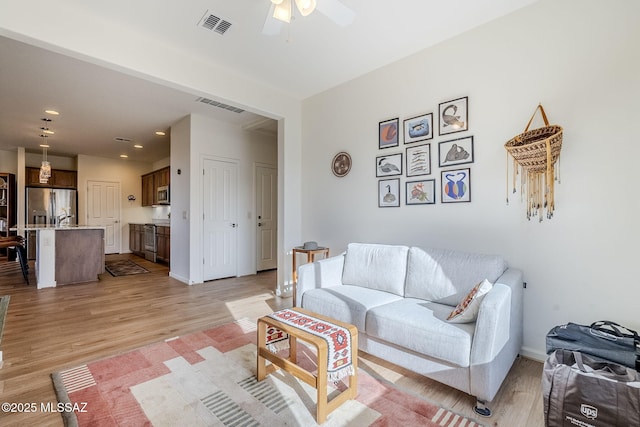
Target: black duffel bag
603 339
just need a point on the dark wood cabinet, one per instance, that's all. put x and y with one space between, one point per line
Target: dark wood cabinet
148 190
64 178
150 183
136 239
162 177
60 178
163 240
33 177
7 210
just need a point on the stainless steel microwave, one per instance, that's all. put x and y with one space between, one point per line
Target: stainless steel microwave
162 195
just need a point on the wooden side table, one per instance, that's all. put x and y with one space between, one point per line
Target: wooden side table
311 257
289 363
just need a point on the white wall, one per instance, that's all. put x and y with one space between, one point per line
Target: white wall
125 172
34 160
198 137
181 260
8 161
584 68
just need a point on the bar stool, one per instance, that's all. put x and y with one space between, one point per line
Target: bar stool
17 243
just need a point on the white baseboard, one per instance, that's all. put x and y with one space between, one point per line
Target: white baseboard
181 279
533 354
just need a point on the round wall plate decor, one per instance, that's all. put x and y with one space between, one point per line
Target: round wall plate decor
341 164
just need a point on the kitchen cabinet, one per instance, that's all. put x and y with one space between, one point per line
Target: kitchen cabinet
68 255
136 239
162 176
148 190
60 178
64 178
150 183
7 210
163 239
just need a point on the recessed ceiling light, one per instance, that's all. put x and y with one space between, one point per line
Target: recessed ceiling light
52 112
137 146
160 133
124 156
44 145
47 131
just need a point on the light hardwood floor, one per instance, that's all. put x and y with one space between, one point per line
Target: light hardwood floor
49 330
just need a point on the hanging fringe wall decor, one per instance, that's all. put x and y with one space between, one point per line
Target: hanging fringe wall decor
535 154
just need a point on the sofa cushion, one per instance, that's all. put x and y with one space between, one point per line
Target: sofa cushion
447 276
467 310
373 266
420 326
346 303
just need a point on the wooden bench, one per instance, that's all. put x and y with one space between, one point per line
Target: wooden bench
318 381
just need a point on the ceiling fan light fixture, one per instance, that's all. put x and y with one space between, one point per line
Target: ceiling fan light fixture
305 7
282 11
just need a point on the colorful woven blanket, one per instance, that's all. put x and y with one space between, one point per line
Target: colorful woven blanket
339 363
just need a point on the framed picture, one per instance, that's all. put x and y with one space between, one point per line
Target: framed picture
455 152
389 165
388 133
419 160
456 186
453 116
418 128
389 193
420 192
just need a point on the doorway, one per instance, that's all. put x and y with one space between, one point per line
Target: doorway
266 216
103 209
220 219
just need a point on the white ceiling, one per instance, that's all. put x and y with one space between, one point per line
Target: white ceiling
310 55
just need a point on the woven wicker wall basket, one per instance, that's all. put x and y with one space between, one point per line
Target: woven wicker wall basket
538 149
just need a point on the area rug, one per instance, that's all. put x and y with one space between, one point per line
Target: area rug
124 268
208 379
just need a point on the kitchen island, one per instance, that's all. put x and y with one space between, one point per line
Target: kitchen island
67 254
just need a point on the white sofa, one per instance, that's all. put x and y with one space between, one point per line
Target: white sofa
400 297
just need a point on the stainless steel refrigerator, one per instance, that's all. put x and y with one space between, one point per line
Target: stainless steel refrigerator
49 206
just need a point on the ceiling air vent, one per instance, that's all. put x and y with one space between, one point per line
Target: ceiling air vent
215 23
219 105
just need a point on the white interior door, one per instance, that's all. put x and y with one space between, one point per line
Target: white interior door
220 219
103 209
267 217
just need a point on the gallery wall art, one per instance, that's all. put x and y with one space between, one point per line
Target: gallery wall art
413 168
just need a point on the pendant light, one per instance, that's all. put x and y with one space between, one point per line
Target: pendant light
45 167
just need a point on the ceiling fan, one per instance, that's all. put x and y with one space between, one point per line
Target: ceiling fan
281 12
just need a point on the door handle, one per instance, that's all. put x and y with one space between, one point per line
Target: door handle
234 225
259 224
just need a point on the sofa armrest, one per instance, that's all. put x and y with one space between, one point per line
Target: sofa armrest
319 274
499 318
493 325
498 335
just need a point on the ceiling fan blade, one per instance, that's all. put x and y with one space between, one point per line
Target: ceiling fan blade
336 11
272 26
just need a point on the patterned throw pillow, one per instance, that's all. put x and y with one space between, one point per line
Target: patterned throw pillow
467 310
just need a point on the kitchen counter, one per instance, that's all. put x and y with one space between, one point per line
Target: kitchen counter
67 254
35 227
